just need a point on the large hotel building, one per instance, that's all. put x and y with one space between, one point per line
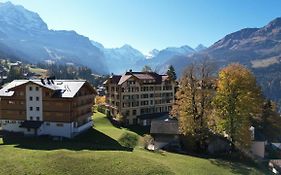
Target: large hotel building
139 96
47 107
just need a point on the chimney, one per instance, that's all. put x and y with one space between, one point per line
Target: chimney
48 80
130 70
42 81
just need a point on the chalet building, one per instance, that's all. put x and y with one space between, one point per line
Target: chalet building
47 107
139 96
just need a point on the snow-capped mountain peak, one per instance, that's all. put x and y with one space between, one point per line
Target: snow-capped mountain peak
200 47
152 53
17 15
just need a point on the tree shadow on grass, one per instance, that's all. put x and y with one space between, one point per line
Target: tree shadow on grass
140 130
245 166
89 140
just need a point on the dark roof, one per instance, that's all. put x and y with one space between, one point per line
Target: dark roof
151 77
31 124
115 79
153 115
165 126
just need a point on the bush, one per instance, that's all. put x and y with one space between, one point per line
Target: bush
120 118
101 109
147 140
128 140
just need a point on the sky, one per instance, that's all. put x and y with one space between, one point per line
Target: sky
150 24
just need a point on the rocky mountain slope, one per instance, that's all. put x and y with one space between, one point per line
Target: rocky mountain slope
25 36
257 48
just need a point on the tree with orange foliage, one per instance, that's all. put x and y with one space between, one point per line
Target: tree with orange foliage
193 101
100 100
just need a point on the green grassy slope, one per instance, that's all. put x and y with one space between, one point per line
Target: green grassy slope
98 152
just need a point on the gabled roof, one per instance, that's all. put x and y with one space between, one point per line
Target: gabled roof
164 126
145 77
67 88
124 78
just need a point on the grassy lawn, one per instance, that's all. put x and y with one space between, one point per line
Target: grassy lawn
99 152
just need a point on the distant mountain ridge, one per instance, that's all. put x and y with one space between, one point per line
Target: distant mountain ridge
257 48
126 57
25 36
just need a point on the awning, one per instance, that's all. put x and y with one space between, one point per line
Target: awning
31 124
153 115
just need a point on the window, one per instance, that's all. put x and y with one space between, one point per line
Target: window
30 88
11 102
37 88
28 129
31 108
37 98
134 121
47 124
30 118
37 118
134 112
127 113
37 108
59 124
30 98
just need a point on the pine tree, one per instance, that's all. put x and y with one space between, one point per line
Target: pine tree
172 73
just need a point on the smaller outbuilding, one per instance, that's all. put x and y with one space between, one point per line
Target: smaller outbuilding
165 131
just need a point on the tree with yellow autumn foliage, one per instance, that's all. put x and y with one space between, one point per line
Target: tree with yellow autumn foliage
238 100
100 100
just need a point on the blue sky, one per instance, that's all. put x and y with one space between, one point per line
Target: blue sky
149 24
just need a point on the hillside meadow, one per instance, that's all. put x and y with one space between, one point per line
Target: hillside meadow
98 151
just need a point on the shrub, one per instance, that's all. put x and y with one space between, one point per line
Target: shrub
128 140
94 108
101 109
147 140
120 118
